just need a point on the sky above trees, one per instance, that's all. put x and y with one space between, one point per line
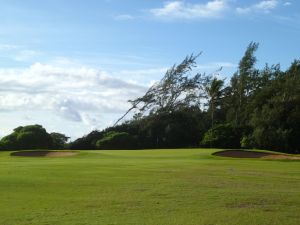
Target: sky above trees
72 66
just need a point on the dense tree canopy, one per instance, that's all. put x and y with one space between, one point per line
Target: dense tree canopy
256 109
27 137
33 137
117 140
59 140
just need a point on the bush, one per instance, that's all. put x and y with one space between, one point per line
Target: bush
178 129
59 141
246 142
117 140
221 136
87 142
272 138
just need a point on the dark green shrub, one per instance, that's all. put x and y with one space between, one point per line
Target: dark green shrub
59 140
221 136
246 142
87 142
117 140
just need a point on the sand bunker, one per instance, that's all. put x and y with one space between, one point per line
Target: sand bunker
253 154
44 153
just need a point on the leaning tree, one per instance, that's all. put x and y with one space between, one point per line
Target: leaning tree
177 89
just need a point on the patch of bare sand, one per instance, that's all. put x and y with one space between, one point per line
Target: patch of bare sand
254 154
39 153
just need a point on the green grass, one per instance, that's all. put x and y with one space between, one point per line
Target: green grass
153 187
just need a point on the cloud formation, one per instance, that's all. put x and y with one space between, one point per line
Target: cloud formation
76 94
124 17
265 6
182 10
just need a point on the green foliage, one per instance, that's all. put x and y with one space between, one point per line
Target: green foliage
177 89
59 140
246 142
169 130
214 93
221 136
179 129
27 137
117 140
9 142
276 122
32 137
243 84
87 141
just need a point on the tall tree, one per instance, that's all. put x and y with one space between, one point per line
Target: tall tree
214 93
58 140
175 90
27 137
243 82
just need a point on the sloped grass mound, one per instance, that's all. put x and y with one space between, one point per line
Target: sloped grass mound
254 154
44 153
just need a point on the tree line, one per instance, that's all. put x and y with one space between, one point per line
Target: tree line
256 108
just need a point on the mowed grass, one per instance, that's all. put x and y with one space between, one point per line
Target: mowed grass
151 187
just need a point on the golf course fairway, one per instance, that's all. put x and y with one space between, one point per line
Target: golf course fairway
148 187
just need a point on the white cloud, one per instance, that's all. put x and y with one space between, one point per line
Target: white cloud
75 95
124 17
8 47
182 10
26 55
265 6
19 53
287 3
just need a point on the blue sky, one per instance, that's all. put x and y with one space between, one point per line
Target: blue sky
72 65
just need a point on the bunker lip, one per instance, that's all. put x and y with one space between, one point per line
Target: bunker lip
254 154
43 153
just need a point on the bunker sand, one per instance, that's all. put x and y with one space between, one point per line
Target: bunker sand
44 153
254 154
